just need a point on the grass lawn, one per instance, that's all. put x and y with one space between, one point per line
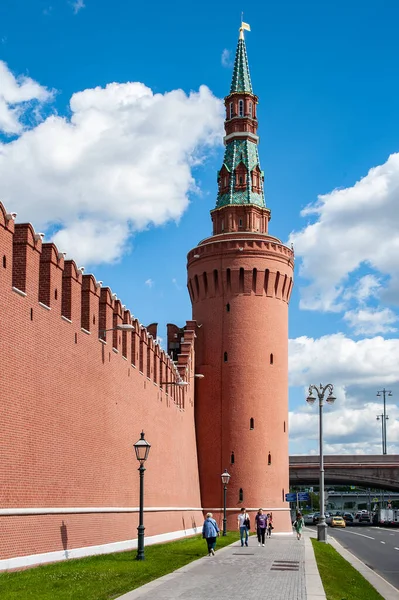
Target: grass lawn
106 576
341 581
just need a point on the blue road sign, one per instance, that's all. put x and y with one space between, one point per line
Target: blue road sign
290 497
303 496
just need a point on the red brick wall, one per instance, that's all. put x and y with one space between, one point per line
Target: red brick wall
72 407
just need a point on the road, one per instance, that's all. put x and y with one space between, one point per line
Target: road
377 547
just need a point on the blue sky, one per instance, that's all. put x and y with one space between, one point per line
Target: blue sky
327 79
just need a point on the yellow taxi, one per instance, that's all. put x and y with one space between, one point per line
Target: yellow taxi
337 522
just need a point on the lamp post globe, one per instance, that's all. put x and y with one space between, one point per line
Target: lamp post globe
225 480
142 449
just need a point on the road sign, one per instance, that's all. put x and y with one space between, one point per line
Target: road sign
375 500
290 497
303 496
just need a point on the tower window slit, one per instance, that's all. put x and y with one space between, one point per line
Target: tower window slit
228 279
240 223
228 307
271 359
196 285
225 357
55 294
216 280
241 495
241 108
4 262
231 110
282 495
266 286
205 277
269 459
284 286
241 282
232 458
276 282
254 277
251 423
250 109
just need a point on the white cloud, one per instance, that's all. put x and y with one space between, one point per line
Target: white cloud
77 5
122 162
17 96
371 321
149 283
343 361
356 226
226 59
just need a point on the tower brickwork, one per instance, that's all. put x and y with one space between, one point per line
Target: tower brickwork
240 280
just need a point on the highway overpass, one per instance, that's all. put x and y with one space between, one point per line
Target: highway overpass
375 471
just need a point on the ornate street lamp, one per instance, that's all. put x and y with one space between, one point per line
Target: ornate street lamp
142 449
384 418
225 480
320 392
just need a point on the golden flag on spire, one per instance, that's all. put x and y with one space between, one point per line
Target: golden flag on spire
245 26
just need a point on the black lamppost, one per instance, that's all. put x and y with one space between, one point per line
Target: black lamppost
320 392
142 448
225 480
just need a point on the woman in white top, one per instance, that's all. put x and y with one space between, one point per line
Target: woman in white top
243 525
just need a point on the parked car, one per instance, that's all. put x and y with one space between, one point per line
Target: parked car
348 518
357 515
316 518
308 519
364 518
337 522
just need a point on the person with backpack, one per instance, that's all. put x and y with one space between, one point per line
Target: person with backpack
261 524
210 531
269 525
244 526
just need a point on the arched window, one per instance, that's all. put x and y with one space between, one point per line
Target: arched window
241 108
228 307
250 109
241 495
271 359
225 357
232 458
231 110
251 423
269 459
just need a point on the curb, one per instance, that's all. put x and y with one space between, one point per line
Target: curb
314 586
383 587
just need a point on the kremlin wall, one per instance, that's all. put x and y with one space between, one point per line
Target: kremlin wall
75 397
72 406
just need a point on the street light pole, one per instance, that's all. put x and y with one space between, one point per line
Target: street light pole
320 392
142 449
225 480
385 418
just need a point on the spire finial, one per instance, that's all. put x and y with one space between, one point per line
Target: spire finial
244 26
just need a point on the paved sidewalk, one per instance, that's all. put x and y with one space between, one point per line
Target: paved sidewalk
276 571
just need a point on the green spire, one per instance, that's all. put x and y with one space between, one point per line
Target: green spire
241 81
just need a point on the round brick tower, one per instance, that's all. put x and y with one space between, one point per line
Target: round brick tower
240 280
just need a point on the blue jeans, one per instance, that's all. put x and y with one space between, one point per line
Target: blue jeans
244 532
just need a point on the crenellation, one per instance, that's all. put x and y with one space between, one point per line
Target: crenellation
117 319
90 302
71 292
27 248
106 312
50 277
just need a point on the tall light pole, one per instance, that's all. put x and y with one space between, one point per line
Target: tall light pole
320 392
142 449
384 418
225 480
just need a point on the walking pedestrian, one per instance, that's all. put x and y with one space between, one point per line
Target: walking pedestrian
210 531
244 525
269 525
261 524
298 525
